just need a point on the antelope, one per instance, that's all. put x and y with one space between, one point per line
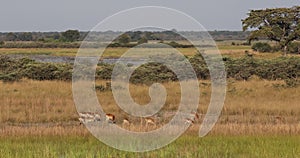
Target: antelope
86 117
195 116
149 121
81 120
85 120
279 119
110 118
189 121
126 122
97 117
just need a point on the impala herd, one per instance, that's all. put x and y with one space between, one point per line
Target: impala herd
88 117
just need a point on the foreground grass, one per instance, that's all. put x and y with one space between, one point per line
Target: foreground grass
185 146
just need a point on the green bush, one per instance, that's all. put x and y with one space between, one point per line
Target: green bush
11 77
283 68
294 48
262 47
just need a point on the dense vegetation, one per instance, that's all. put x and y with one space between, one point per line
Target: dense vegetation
134 36
283 68
263 47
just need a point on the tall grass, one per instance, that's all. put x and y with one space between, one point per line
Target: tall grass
252 107
260 119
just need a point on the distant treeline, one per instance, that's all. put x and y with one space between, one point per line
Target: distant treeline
283 68
109 35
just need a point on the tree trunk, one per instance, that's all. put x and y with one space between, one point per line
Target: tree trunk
285 50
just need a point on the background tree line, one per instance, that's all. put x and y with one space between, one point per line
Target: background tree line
135 36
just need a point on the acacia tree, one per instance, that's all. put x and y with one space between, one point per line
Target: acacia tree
280 24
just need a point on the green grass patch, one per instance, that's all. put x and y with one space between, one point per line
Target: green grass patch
186 146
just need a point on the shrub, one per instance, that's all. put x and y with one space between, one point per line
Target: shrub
276 48
294 48
11 77
292 82
283 68
262 47
143 40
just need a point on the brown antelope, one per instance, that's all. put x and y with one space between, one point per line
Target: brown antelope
150 121
195 116
126 122
279 119
189 121
110 118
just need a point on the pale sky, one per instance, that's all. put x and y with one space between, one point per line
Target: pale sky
60 15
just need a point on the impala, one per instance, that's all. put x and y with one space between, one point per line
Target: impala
86 117
195 116
189 121
149 121
126 122
110 118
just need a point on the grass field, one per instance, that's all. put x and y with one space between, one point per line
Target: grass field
231 51
260 118
186 146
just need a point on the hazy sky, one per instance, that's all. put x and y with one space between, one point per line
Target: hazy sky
60 15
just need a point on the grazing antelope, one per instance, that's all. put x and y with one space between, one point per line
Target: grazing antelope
85 120
81 120
126 122
97 117
189 121
86 117
279 119
110 118
195 116
150 121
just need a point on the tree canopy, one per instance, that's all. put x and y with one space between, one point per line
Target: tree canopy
279 24
124 39
70 35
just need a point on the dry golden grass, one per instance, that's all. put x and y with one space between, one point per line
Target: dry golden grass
251 107
36 101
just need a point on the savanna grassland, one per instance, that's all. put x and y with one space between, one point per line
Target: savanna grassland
225 49
260 118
